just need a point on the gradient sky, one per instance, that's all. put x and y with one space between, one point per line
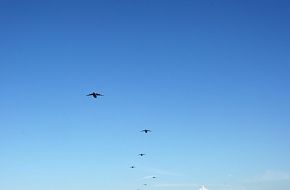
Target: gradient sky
210 78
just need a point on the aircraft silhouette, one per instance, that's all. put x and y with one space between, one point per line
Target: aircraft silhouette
95 95
144 184
145 130
141 154
132 167
153 177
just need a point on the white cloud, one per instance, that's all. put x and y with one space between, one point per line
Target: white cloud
203 188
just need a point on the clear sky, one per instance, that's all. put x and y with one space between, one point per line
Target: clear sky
210 78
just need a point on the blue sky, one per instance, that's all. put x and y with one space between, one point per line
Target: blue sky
209 78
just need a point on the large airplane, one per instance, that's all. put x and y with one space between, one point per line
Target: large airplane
95 95
145 130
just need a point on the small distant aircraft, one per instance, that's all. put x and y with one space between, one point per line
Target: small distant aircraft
95 95
145 184
154 177
145 130
132 167
141 154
